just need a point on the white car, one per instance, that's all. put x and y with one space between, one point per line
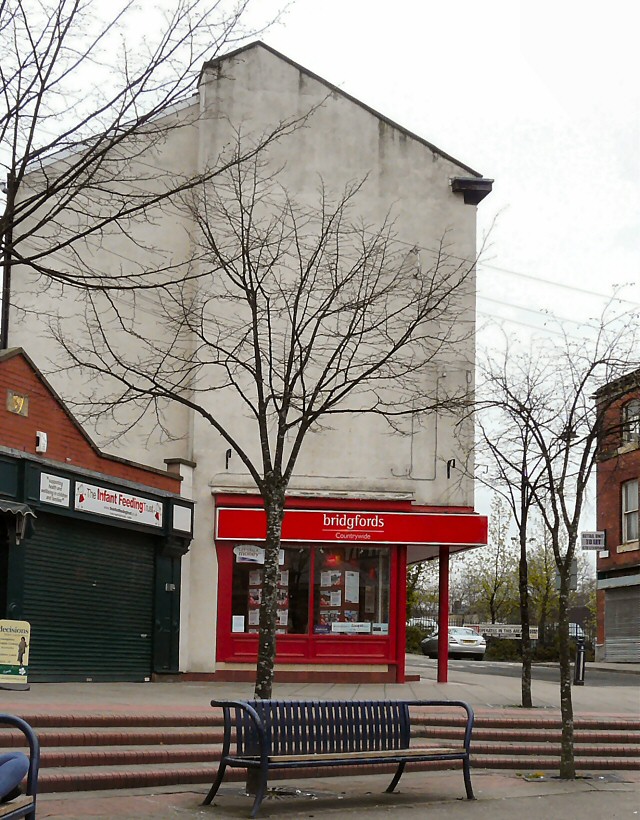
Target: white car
463 642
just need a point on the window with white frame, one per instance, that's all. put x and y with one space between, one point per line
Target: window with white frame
631 421
630 511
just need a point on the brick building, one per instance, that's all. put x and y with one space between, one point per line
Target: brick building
90 544
618 472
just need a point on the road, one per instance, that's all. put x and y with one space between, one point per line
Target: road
427 668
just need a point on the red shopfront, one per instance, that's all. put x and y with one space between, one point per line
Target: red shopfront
342 585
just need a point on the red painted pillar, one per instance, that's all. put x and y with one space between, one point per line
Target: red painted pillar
401 615
443 616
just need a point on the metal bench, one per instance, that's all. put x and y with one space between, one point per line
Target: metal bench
25 805
273 734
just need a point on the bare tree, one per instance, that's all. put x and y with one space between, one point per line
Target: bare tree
490 585
299 316
90 92
544 431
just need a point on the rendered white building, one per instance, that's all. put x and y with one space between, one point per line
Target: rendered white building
355 471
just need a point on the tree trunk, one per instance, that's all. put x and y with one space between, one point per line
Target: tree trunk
523 587
274 508
567 762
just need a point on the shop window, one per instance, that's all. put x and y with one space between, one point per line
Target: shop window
293 590
351 591
630 511
631 421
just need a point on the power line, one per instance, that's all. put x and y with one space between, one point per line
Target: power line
540 279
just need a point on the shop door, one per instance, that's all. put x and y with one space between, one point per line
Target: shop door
88 594
622 625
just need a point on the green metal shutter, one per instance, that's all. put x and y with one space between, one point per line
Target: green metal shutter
88 594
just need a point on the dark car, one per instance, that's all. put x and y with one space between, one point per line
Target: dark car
463 642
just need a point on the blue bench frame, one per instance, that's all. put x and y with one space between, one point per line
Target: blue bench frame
23 808
276 734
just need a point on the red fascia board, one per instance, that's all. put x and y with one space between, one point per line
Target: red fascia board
360 527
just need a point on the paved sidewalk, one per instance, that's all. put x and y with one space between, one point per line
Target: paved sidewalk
502 795
436 795
482 691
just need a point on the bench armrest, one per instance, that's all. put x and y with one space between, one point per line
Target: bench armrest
460 703
227 706
34 749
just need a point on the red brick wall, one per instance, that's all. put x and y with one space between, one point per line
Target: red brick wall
66 442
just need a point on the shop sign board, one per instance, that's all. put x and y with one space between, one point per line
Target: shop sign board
249 523
55 489
15 637
136 509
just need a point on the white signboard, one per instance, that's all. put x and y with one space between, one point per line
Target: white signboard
55 490
117 504
504 630
251 554
351 627
592 540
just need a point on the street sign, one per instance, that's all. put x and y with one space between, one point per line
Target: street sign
592 540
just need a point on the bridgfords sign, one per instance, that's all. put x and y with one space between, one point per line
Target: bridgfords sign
362 527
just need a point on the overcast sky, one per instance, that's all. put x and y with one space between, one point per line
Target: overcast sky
542 96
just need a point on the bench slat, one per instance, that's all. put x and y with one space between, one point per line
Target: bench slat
424 751
19 803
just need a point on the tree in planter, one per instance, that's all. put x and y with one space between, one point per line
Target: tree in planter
299 316
87 100
544 399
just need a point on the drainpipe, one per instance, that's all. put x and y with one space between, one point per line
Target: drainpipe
7 252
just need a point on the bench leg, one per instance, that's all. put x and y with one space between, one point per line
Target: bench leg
466 771
216 784
396 776
261 790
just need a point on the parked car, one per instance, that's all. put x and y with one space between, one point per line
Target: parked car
426 624
463 642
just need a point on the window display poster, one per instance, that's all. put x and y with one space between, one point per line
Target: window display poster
330 598
237 622
352 587
283 598
255 597
328 616
282 617
330 578
255 578
284 578
351 615
369 599
254 617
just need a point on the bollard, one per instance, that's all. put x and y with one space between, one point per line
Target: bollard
578 671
